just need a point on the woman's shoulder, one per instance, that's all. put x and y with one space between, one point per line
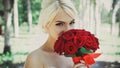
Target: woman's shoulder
36 54
33 59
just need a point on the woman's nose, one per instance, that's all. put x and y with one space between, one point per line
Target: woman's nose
68 27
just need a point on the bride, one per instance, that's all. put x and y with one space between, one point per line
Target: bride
57 16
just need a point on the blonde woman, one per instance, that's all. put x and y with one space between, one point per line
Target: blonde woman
57 16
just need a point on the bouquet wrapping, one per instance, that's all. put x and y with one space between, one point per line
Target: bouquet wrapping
78 44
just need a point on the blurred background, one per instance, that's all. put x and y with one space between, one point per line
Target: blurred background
20 34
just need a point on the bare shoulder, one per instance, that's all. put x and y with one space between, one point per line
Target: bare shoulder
34 60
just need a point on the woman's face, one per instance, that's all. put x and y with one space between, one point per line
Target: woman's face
61 23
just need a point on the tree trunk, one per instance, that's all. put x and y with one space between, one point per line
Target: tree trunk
119 30
29 15
95 19
114 17
88 11
16 24
7 18
0 29
92 17
82 6
98 17
7 32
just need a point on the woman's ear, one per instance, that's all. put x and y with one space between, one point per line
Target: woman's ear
46 28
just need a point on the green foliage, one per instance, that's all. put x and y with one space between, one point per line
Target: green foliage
35 8
1 20
22 7
93 2
118 15
117 53
1 5
8 57
82 51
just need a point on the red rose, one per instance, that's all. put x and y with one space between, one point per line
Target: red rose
71 40
78 42
91 42
70 48
68 35
96 43
59 46
83 33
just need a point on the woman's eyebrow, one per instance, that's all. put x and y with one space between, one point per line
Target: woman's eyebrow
64 22
73 20
60 21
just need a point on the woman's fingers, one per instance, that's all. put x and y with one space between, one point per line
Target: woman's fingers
80 65
83 62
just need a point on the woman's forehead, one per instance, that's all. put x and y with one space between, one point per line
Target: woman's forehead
63 16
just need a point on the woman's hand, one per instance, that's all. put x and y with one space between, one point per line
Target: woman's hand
80 65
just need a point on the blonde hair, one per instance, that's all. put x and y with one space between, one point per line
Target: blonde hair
50 9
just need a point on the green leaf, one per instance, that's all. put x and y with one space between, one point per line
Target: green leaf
70 55
82 51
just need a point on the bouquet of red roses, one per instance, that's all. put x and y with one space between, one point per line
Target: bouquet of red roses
78 44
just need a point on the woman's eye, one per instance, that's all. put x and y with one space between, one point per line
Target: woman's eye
71 23
59 24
